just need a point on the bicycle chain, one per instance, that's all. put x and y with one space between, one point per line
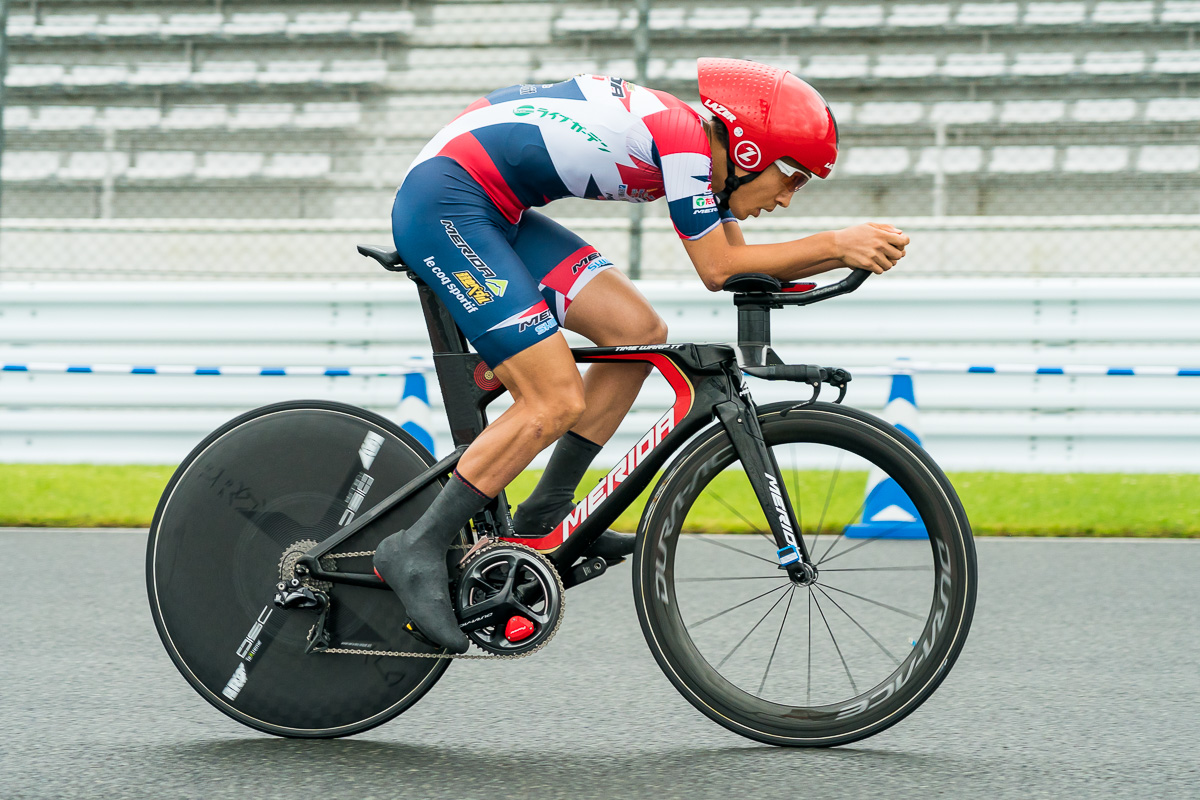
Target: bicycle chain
562 593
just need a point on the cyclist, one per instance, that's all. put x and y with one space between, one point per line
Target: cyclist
511 277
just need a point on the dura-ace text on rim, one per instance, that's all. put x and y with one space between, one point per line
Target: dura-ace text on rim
948 564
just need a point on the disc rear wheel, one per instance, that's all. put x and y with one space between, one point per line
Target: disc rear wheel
241 509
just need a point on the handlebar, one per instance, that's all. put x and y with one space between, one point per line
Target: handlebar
758 289
756 294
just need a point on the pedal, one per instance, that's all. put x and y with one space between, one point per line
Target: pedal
591 568
416 634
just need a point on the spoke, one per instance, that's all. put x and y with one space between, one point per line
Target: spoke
880 569
837 470
731 547
779 635
842 533
860 627
748 578
752 630
876 602
739 605
863 543
808 696
742 517
845 666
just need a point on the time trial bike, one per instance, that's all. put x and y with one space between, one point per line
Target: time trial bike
797 624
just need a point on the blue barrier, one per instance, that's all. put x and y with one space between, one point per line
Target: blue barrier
414 401
391 371
953 367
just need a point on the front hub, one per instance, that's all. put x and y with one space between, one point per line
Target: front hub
803 574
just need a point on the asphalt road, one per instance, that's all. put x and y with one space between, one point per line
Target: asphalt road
1081 678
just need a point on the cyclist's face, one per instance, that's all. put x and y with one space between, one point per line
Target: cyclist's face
770 189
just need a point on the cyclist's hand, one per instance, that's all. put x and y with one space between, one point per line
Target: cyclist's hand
872 246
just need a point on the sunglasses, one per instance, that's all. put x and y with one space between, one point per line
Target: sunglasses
796 177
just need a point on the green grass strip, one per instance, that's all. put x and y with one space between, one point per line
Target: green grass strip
1003 504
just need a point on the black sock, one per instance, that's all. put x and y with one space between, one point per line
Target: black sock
554 494
413 561
449 513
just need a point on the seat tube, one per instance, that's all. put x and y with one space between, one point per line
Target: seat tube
740 419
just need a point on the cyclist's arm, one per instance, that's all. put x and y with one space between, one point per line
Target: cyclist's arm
872 247
733 233
716 258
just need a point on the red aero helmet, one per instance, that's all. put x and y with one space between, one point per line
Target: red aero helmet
770 113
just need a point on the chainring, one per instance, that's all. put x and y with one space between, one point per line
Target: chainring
500 582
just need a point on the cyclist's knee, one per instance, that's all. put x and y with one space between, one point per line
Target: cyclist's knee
646 328
649 329
657 332
556 412
569 407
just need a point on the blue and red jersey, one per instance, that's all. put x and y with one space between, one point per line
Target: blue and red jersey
594 137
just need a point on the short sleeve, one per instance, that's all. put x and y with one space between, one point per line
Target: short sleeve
682 153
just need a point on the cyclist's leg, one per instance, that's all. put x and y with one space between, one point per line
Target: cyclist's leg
611 311
616 313
536 418
447 230
590 297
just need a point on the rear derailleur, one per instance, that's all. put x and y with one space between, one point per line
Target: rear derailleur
295 595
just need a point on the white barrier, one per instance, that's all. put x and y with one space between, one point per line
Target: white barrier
982 421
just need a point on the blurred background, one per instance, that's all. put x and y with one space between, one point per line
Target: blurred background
184 183
1030 138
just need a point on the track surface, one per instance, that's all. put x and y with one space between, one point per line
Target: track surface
1081 679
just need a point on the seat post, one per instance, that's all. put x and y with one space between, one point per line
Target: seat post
444 334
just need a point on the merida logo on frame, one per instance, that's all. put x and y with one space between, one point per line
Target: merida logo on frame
619 473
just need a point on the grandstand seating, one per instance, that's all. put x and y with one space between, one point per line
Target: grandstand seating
435 68
888 19
856 161
1169 158
252 25
157 166
950 160
29 166
227 96
93 166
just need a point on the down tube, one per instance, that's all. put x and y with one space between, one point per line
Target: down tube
691 411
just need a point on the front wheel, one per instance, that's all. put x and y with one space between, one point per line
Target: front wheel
807 664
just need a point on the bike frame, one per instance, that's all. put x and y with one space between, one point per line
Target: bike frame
708 384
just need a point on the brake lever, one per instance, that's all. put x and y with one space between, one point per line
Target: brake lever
834 376
816 387
839 378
